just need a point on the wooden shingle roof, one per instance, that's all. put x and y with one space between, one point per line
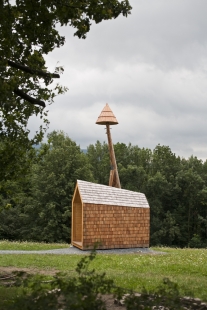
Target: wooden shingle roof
101 194
107 117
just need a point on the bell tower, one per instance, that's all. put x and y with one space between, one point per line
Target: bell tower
108 118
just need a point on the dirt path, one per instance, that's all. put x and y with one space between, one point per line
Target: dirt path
9 270
73 250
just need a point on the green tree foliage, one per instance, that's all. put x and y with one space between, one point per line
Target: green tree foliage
53 181
192 197
12 201
98 156
38 206
44 213
175 188
15 161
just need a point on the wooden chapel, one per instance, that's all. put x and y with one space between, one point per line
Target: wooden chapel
108 215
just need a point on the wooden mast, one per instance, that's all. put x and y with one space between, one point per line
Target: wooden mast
107 118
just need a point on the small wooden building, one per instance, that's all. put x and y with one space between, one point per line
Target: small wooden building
113 217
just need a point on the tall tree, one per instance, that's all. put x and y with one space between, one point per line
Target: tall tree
192 199
29 30
98 156
53 182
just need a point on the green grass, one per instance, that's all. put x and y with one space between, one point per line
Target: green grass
7 294
186 267
30 246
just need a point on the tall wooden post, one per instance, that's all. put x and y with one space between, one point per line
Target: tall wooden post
107 118
114 176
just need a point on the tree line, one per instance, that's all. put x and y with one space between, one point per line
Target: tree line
36 204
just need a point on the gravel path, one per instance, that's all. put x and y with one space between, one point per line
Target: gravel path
73 250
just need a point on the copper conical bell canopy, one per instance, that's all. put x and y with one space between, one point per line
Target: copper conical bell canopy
107 117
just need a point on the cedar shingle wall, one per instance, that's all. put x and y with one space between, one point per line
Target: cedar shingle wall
115 226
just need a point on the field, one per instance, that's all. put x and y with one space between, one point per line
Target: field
186 267
30 246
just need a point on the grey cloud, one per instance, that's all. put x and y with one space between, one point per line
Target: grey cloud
170 33
152 70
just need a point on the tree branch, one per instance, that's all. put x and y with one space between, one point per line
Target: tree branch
28 98
32 71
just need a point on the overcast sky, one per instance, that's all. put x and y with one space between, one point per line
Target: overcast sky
151 68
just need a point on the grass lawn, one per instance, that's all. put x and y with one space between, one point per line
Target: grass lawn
30 246
186 267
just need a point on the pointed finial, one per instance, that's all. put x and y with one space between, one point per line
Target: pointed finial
107 117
